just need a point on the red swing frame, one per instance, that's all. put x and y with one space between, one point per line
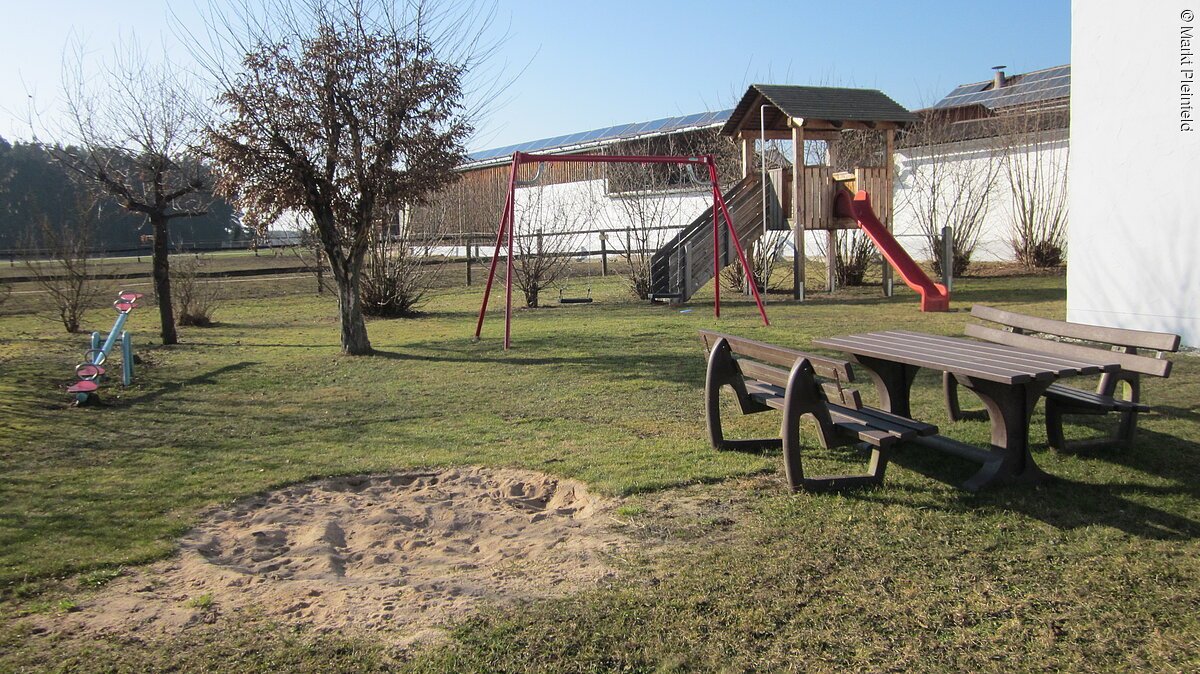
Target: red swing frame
505 231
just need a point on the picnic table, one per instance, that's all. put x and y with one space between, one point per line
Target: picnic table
1007 379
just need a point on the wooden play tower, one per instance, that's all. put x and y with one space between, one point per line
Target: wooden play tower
807 191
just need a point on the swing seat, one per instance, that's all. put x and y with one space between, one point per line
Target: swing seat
575 300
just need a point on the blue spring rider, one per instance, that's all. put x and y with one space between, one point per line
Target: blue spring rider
95 360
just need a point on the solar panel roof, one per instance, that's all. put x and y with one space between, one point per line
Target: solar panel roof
1022 89
611 133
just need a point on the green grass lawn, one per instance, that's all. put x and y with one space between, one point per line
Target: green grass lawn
1097 569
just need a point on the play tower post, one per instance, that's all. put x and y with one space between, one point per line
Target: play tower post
803 114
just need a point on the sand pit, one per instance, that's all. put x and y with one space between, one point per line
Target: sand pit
398 556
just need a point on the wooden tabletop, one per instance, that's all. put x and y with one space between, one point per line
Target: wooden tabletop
993 362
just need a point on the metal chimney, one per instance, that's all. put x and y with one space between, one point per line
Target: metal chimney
998 78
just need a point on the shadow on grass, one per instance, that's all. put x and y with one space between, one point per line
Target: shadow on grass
599 354
1060 502
1011 295
204 378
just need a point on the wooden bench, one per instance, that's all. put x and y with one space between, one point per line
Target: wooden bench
812 386
1113 344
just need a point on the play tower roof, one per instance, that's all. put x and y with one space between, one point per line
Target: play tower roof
816 108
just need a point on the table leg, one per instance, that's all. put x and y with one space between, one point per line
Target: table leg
893 382
1009 408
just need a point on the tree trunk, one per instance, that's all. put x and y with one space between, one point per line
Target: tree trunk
346 273
162 280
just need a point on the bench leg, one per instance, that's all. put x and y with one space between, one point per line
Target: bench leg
1054 426
1127 427
1122 437
1009 409
793 465
953 409
720 373
802 400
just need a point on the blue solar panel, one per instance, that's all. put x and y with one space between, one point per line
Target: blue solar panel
618 131
1041 85
688 120
653 126
664 125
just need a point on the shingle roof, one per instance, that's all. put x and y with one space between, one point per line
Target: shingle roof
828 103
1023 89
606 135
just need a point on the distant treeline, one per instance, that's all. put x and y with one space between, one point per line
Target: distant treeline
36 189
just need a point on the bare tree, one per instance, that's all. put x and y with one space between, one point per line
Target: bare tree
948 178
57 259
130 135
343 109
1035 163
646 196
646 215
547 225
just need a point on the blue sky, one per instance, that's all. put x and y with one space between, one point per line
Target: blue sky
592 64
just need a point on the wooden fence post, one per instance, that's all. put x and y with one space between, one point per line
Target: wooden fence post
467 250
603 254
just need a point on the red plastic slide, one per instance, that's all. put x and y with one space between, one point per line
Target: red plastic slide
934 296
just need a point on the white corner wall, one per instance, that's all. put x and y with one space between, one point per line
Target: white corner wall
1134 252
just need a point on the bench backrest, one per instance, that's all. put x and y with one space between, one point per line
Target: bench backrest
1126 342
768 355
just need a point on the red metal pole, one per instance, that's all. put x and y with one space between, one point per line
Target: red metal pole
487 292
512 207
712 169
716 249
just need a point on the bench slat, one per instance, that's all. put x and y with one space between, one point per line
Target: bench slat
907 427
849 422
1001 355
1141 339
865 433
1072 395
1128 361
778 355
881 345
766 373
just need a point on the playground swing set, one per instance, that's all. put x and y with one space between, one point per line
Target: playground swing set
504 234
817 198
94 368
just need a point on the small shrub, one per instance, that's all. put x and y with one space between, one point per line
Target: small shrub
195 296
203 602
398 271
853 255
630 510
1040 255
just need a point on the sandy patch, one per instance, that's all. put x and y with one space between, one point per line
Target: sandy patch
396 555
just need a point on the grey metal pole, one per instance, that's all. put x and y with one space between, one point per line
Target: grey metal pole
948 257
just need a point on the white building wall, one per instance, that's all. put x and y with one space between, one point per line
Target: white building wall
1135 167
972 158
